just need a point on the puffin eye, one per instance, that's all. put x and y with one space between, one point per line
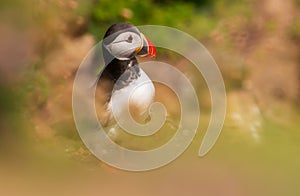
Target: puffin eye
130 38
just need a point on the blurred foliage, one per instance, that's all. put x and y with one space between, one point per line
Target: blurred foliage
295 30
195 17
35 87
13 137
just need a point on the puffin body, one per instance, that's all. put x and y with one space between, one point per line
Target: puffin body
140 93
131 87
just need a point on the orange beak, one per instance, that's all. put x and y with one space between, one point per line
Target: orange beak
148 49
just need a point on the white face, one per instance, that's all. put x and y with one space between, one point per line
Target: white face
125 45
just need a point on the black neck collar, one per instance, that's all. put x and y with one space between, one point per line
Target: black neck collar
125 68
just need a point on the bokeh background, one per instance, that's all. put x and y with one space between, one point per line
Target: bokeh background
256 44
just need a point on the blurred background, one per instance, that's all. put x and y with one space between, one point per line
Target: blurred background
256 45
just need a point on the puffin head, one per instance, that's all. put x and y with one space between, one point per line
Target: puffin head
123 41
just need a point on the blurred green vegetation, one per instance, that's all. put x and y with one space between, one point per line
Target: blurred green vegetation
295 30
195 17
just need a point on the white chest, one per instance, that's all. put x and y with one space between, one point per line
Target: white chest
139 93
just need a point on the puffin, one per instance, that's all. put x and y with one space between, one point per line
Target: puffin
121 45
